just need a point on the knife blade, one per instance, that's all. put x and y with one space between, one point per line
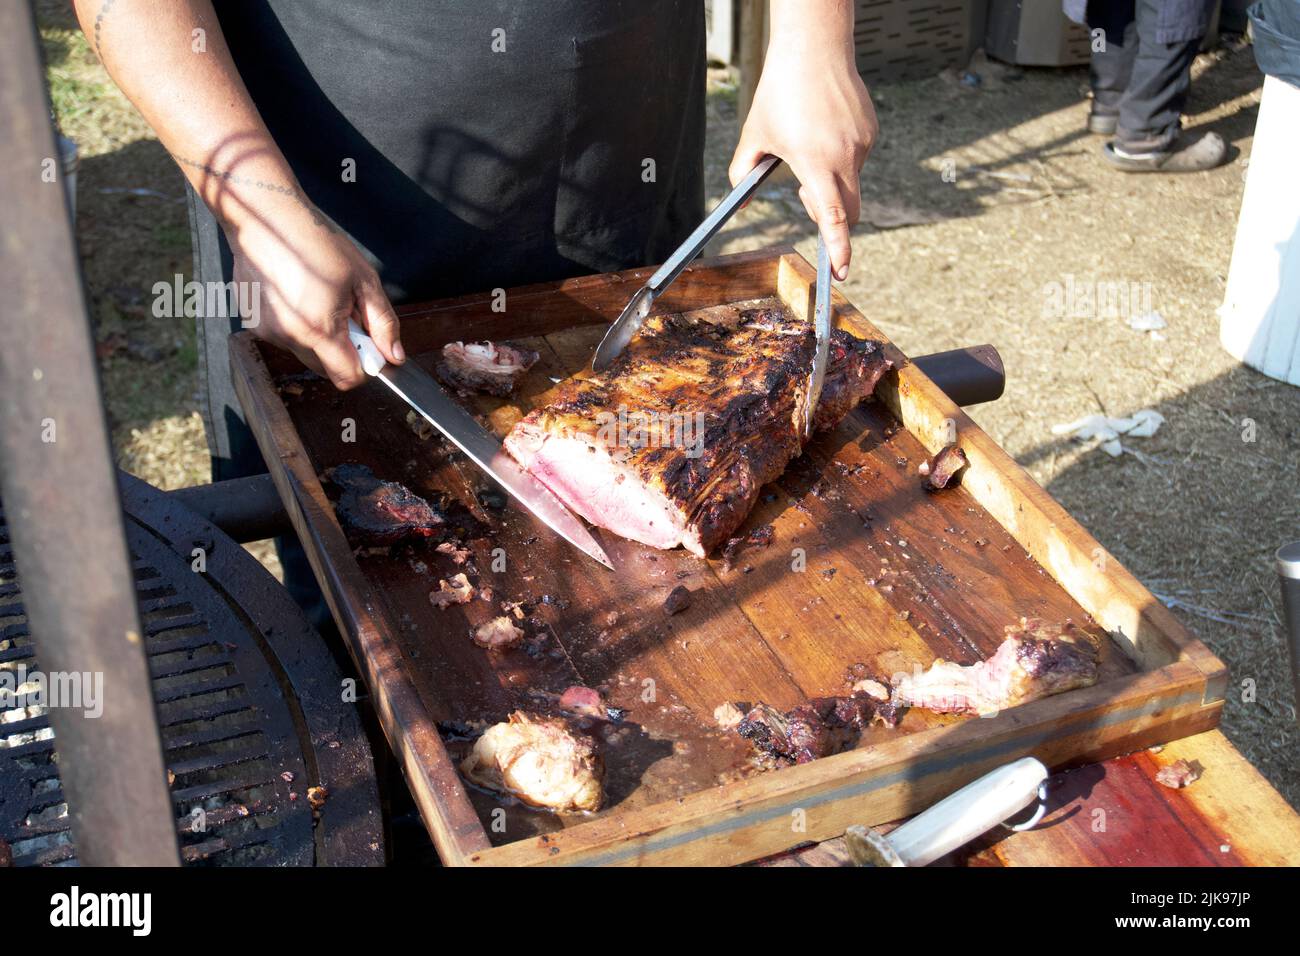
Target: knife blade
417 388
822 332
637 310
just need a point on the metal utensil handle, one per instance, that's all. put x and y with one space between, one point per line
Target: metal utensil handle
1288 572
715 220
974 809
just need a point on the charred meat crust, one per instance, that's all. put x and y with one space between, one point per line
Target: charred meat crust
818 728
743 373
381 512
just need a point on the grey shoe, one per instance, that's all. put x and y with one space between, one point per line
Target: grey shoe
1186 155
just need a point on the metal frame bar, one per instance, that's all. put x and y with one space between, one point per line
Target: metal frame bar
61 498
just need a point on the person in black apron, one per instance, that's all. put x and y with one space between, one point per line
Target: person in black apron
474 160
418 149
1142 53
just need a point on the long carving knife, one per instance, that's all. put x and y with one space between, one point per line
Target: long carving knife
637 310
417 388
822 331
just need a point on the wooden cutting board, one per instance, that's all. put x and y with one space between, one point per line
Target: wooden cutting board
867 572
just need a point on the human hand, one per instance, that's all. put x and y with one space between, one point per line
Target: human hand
812 109
312 280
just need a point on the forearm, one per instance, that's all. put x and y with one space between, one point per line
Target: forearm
811 28
171 60
812 109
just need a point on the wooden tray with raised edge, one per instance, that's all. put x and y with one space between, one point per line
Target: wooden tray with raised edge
894 577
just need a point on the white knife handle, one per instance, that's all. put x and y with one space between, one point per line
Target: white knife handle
974 809
372 360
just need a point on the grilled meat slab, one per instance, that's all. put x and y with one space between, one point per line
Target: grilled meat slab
671 444
484 366
1036 660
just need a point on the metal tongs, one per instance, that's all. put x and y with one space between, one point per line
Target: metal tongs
822 332
638 308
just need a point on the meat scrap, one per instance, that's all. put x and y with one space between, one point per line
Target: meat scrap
588 702
729 715
419 424
498 633
457 554
540 760
943 467
1036 660
456 591
678 600
715 395
485 366
818 728
760 537
1178 774
381 511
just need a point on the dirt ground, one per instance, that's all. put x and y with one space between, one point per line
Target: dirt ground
977 200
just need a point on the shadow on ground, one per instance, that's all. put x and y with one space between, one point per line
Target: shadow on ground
1224 471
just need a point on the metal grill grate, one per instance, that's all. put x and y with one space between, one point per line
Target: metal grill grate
239 752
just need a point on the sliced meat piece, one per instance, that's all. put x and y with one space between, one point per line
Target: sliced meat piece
818 728
381 512
583 700
540 760
671 445
498 633
940 470
1036 660
456 591
1177 775
729 715
457 554
484 366
760 537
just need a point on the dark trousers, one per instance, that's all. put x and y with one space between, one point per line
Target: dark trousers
1143 72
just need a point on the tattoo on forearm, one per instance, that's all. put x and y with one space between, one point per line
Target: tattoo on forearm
228 176
99 26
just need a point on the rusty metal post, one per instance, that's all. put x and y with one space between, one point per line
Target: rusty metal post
60 492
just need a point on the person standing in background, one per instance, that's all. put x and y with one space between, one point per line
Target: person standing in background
1140 76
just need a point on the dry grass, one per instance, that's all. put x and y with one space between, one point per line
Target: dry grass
1197 517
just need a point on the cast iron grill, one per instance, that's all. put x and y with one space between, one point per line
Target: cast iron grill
241 751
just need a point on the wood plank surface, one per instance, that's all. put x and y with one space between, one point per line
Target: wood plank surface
891 578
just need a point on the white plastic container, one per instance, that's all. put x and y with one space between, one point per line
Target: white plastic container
1259 321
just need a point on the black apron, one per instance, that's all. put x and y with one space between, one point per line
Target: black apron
494 142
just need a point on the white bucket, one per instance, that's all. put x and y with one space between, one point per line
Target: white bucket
1259 322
